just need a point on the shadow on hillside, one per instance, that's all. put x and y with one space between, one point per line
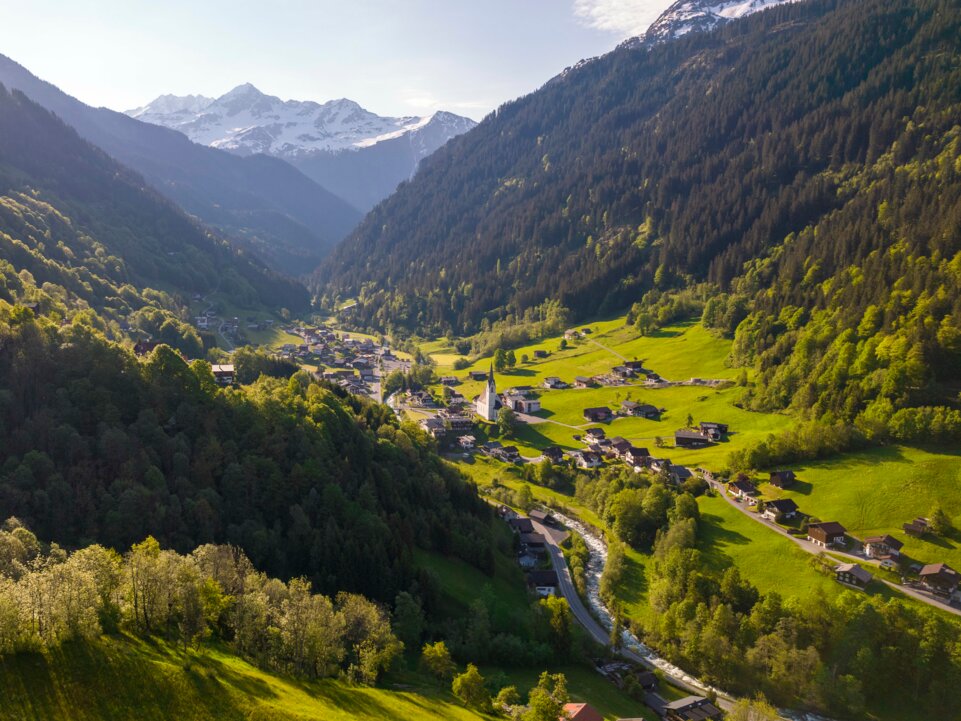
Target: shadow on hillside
802 487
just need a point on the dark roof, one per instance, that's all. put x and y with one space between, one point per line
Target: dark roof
889 541
743 486
542 578
532 539
687 433
682 473
939 569
855 570
693 708
540 515
522 525
830 528
783 505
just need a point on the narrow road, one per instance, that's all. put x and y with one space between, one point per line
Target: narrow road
591 625
815 550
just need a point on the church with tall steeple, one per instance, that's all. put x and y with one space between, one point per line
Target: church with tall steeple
487 400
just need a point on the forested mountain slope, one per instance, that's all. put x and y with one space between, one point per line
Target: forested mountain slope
262 203
655 167
78 230
97 446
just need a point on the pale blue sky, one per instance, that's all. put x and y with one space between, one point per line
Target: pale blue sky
392 56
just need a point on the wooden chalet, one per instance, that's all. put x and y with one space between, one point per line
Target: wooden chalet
851 574
828 533
782 479
597 415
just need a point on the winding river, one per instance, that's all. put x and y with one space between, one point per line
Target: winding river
595 567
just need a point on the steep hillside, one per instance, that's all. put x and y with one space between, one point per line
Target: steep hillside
651 167
356 154
263 203
77 230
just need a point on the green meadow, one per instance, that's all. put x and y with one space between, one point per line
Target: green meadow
873 492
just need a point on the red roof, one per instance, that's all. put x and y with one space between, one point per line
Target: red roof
582 712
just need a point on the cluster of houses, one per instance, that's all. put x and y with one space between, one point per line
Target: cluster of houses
618 375
532 555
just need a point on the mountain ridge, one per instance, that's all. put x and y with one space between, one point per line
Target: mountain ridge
311 136
262 204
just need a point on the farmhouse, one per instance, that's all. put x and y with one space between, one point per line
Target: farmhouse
583 382
542 517
467 442
554 382
594 434
917 528
826 534
882 547
507 454
622 372
782 479
434 426
640 410
477 376
597 415
714 431
571 334
521 403
679 474
543 583
780 509
620 446
851 574
532 540
691 708
636 456
553 453
223 374
940 579
586 459
449 380
686 438
635 365
521 525
581 712
743 489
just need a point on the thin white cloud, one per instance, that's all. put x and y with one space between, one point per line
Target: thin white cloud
626 18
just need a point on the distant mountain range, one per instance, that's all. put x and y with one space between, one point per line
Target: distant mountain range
354 153
262 203
686 16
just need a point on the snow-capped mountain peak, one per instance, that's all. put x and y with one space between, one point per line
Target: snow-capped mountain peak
686 16
246 121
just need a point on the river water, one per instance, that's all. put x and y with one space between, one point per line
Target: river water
595 567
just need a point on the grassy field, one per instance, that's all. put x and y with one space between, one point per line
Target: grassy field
873 492
126 679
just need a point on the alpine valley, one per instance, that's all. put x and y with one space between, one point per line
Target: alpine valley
638 399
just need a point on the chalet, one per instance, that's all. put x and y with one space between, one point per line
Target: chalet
488 448
540 353
467 442
780 509
449 380
829 533
543 517
851 574
543 583
636 456
553 453
620 446
581 712
456 422
583 382
940 579
571 334
587 459
507 454
434 426
143 347
521 525
679 474
532 540
882 547
597 415
521 403
554 382
635 365
743 489
477 375
782 479
691 708
640 410
622 372
659 464
593 434
527 560
223 374
917 528
714 431
686 438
